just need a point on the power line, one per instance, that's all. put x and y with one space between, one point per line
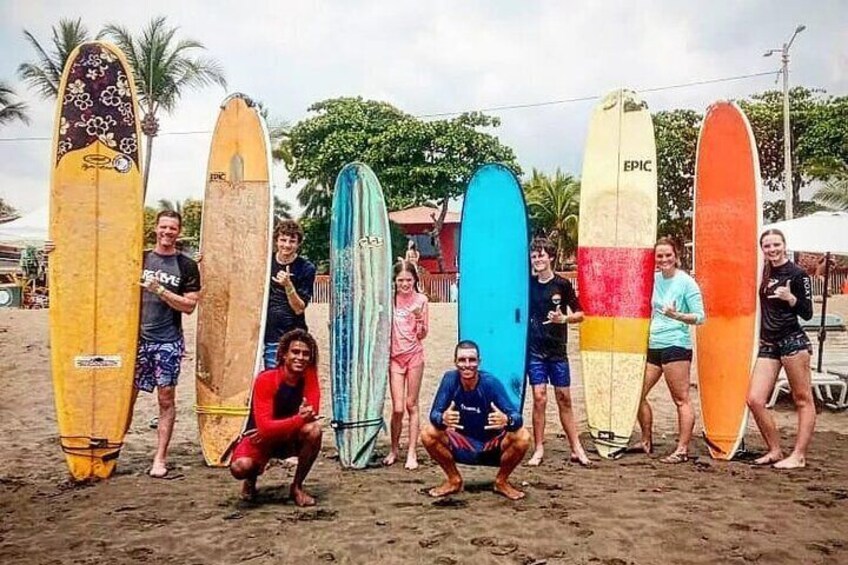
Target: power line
596 97
491 108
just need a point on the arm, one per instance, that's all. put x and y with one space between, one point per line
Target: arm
802 289
576 315
185 304
300 295
423 326
502 401
312 390
694 304
441 402
263 411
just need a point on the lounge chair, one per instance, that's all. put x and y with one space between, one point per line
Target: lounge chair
830 387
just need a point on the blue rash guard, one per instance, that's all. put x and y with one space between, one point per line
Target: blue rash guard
474 405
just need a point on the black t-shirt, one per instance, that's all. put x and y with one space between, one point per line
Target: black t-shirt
281 318
159 322
549 340
778 319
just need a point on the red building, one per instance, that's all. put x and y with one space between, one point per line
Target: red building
417 223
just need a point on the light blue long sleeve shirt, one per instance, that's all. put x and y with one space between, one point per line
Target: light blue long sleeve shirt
682 291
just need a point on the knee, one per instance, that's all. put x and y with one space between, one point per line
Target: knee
802 398
429 435
311 433
680 402
755 402
563 398
412 408
540 397
397 411
241 468
166 400
521 439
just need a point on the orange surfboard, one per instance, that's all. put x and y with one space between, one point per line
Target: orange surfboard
728 220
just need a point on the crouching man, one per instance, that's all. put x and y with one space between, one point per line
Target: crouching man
284 419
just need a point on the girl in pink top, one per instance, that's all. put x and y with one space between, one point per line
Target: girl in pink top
406 364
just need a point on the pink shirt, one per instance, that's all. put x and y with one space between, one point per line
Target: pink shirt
405 327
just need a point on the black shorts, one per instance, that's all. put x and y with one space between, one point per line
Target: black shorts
662 356
785 346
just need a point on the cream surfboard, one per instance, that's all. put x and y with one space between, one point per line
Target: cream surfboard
728 220
96 220
618 218
236 245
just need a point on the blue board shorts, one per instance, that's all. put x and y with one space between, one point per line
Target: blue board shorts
543 371
158 364
471 451
270 354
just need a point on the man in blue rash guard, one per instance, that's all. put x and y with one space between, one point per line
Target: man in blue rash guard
474 422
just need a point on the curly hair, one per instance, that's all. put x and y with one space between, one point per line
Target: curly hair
289 227
302 336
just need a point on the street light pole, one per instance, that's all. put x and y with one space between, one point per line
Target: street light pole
787 131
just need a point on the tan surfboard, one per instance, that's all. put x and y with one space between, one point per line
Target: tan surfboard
618 228
236 245
96 222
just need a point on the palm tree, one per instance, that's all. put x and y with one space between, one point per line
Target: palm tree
163 67
9 109
282 209
45 74
834 194
554 206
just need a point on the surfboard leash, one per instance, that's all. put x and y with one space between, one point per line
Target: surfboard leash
342 425
221 410
94 444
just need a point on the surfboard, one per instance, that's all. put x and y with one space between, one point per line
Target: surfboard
615 257
360 312
96 216
727 224
494 282
236 244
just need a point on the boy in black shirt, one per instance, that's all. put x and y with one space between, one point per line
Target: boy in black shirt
550 294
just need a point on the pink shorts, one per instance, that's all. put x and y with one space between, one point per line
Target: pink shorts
406 361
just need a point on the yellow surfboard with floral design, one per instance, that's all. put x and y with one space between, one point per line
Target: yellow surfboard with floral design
96 217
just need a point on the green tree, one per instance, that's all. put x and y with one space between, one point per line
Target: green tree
191 211
417 162
10 109
282 210
45 74
819 128
553 204
676 134
164 67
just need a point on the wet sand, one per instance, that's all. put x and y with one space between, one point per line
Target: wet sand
632 511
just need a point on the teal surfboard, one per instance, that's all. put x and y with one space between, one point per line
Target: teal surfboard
494 269
360 312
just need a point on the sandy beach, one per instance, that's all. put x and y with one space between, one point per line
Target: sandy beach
632 511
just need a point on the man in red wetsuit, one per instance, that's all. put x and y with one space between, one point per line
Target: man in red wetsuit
283 418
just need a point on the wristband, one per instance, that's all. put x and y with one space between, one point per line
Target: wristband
160 291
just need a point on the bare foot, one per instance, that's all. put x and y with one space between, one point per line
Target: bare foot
158 470
537 458
647 447
446 488
301 497
390 459
768 458
248 490
791 462
581 458
411 462
508 490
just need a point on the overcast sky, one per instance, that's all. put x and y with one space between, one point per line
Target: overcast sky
435 56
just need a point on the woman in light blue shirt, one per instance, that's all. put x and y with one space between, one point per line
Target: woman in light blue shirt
675 305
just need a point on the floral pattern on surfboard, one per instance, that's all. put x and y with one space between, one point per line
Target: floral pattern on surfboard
97 105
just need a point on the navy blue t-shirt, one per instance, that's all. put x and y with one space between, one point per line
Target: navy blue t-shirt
474 405
281 318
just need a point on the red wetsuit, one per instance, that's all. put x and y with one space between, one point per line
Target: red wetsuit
274 420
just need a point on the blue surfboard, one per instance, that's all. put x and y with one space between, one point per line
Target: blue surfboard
360 312
494 270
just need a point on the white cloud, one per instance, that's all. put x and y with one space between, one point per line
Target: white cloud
437 56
